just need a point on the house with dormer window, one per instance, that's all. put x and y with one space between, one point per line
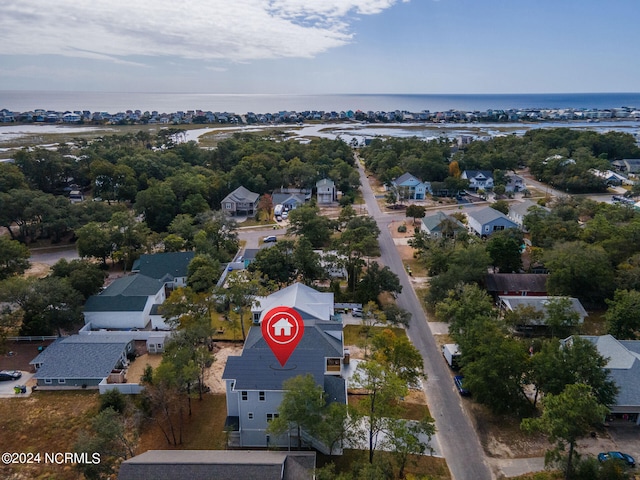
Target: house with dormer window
478 179
254 380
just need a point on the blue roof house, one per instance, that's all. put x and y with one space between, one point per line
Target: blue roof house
411 187
487 220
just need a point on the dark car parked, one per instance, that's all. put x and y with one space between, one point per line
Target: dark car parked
459 381
9 375
624 457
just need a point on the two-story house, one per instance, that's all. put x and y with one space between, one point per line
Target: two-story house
240 201
410 187
326 191
478 179
254 380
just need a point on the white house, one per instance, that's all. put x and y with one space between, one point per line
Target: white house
254 380
132 302
478 179
326 191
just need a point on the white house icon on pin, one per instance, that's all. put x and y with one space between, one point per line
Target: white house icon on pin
282 328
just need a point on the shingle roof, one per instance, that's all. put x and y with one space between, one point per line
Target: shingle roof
474 173
406 177
433 222
487 214
258 369
539 303
510 282
115 303
241 195
623 366
219 465
134 285
158 265
127 294
288 198
309 302
76 357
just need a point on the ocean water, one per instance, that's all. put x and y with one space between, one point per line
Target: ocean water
114 102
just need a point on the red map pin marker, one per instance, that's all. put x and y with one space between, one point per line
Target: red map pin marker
282 328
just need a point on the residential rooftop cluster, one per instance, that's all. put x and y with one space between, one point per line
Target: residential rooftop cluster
209 117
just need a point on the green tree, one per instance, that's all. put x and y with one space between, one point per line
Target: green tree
158 204
94 240
14 257
307 262
579 270
566 418
383 388
84 276
277 263
504 249
416 211
399 354
407 437
561 318
202 273
623 315
501 205
375 281
301 407
307 221
112 435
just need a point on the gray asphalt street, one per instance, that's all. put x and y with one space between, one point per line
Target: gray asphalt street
458 440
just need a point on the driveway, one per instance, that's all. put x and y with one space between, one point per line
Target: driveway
6 388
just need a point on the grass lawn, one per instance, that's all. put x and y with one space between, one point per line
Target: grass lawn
44 422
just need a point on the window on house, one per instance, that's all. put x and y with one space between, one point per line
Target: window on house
256 316
272 416
244 395
48 381
250 415
261 396
62 380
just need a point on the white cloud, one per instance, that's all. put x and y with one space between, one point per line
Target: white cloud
228 30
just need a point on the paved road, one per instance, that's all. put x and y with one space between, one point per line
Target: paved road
458 439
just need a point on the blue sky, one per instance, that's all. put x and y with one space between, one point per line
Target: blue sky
320 46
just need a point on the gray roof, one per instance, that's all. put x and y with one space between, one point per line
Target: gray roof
258 369
520 282
219 465
158 265
539 303
241 195
80 358
474 173
308 302
406 177
134 285
623 366
433 222
488 214
522 208
325 181
117 303
127 294
288 198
